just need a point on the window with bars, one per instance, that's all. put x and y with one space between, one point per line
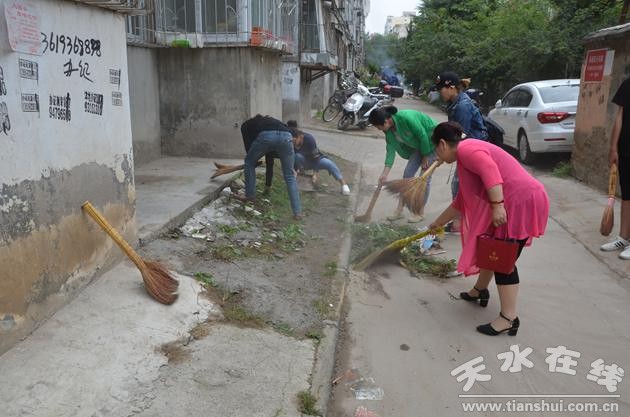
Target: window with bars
264 23
310 26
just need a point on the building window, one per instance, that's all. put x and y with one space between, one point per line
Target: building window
220 16
310 26
178 15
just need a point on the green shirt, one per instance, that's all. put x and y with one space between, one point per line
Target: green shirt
413 132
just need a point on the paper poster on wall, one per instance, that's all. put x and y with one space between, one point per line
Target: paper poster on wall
23 27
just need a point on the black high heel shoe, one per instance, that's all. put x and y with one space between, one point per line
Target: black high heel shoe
490 331
483 297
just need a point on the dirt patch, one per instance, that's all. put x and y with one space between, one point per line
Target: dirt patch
262 267
175 352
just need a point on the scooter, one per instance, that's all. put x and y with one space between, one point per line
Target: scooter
357 109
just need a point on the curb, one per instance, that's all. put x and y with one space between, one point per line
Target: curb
324 366
343 132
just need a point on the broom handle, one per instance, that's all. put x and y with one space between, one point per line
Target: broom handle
431 169
612 181
98 218
374 198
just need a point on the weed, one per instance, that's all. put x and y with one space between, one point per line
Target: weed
324 309
420 264
284 329
207 280
307 403
562 170
331 269
238 314
315 335
226 253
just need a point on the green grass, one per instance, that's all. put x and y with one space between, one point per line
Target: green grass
331 269
323 309
307 404
562 170
227 253
368 238
207 280
317 335
230 231
284 329
238 314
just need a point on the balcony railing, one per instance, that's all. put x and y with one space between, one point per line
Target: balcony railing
268 24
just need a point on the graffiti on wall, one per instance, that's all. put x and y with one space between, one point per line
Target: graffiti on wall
82 68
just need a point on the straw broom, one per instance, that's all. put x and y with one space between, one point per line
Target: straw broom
412 190
157 280
227 169
392 248
608 219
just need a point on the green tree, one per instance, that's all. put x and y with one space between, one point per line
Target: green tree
499 43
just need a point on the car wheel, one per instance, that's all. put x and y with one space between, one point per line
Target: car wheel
525 154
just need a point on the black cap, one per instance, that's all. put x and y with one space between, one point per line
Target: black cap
447 79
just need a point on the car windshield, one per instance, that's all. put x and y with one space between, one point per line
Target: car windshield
559 93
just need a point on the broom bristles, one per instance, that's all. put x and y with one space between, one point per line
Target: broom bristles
608 219
159 282
411 191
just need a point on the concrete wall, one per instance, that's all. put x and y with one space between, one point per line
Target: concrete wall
144 97
291 90
205 95
595 113
55 154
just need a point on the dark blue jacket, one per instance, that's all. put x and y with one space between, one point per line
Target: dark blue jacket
464 112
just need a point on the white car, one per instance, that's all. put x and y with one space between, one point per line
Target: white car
538 117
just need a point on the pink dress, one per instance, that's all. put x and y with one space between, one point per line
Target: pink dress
481 166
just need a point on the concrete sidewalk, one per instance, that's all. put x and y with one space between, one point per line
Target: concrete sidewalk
106 353
169 189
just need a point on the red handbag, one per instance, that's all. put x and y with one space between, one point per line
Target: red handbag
498 255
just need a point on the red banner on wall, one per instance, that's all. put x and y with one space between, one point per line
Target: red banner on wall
595 64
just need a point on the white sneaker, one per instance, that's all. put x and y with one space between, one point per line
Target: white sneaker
617 244
625 254
345 190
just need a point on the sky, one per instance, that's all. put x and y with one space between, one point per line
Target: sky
380 9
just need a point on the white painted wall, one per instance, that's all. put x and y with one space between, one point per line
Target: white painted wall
36 143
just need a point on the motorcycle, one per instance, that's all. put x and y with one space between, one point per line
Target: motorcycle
357 109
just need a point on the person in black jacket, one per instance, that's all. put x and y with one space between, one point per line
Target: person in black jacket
620 155
269 137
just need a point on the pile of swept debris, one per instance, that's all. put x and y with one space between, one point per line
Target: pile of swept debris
419 257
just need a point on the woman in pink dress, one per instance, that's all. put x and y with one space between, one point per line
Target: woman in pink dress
496 196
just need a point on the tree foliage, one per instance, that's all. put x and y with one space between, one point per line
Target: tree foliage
497 43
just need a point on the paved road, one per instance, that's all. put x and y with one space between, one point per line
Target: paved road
404 335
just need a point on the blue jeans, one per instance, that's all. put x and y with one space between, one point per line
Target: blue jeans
414 163
282 144
322 163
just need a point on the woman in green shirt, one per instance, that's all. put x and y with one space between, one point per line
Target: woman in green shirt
408 134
